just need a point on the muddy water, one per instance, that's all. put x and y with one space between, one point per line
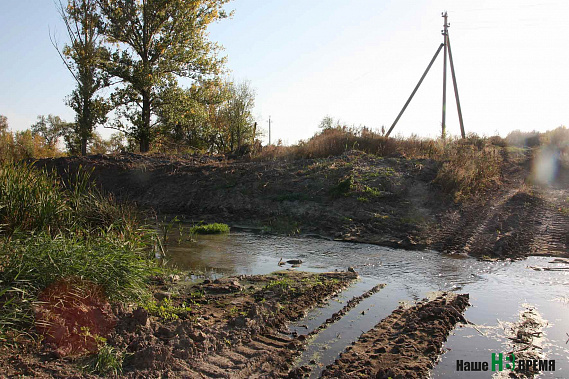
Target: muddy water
498 292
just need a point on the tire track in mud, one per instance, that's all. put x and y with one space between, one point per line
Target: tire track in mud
405 344
481 236
521 222
349 306
552 237
300 369
267 355
521 218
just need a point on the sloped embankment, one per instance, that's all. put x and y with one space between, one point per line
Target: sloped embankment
352 197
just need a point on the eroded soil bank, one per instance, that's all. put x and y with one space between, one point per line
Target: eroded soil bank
357 197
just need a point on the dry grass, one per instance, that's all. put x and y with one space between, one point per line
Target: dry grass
333 142
468 167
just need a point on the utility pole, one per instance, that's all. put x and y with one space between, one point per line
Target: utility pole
445 36
414 91
447 51
269 130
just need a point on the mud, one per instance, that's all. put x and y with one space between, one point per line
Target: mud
406 344
353 197
236 328
526 343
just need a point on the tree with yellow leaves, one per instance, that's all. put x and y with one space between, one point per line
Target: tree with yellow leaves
152 44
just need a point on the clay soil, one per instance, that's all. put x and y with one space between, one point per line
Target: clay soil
356 197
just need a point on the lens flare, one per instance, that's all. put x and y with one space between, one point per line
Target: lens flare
545 166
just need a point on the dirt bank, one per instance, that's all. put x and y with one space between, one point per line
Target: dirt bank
352 197
406 344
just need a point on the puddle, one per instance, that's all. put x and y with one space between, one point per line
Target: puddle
497 292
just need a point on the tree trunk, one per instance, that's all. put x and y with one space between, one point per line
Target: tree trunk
144 132
83 146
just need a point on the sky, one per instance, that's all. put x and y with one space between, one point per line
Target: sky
356 61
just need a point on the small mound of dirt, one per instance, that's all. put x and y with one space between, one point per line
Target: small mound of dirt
71 314
234 328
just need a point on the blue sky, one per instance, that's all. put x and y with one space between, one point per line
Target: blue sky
357 61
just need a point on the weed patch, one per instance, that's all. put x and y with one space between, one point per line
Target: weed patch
215 228
343 187
166 310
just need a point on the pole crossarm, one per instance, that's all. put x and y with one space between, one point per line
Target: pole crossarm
415 90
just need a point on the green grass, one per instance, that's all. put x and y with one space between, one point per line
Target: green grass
166 310
343 187
280 285
28 200
373 192
51 230
106 362
215 228
33 200
31 263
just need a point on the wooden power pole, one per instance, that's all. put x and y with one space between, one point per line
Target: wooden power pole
447 52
